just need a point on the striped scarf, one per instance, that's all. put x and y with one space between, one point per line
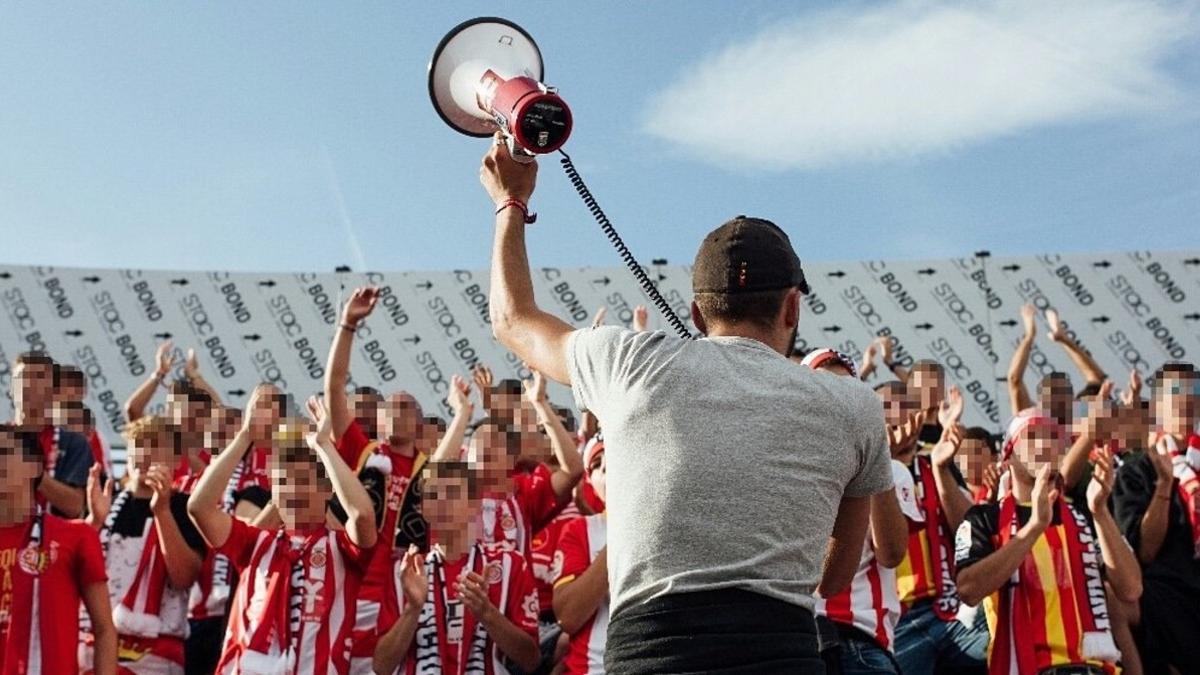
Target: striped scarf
943 586
432 640
138 611
1055 599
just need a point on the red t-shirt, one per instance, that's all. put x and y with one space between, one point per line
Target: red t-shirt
511 521
542 559
70 560
582 540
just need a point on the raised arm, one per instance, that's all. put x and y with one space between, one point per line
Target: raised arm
450 445
337 368
534 336
182 562
393 645
576 600
1018 395
99 609
1078 456
136 405
360 511
570 462
204 505
954 501
845 545
1087 366
191 370
868 359
885 350
1124 572
1156 519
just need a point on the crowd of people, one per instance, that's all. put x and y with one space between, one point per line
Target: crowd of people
364 535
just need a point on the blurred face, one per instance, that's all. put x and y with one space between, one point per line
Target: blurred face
73 392
70 415
1055 397
1132 427
598 475
365 408
189 416
299 491
265 416
223 424
1039 446
974 455
897 405
33 388
489 448
16 470
429 435
927 386
1175 403
399 419
447 504
147 451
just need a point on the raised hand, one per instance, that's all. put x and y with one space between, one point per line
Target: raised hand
1058 331
248 414
191 366
99 497
159 480
598 317
319 414
1133 394
885 349
1045 493
360 305
412 579
641 318
1029 319
991 478
482 375
1103 476
165 358
459 396
1160 457
951 409
535 389
947 447
505 178
473 590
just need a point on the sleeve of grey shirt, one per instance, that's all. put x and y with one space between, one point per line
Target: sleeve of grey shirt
603 361
874 456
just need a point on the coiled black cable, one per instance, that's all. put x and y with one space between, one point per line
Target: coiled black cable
643 279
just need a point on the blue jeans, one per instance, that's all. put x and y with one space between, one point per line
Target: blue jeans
860 657
925 643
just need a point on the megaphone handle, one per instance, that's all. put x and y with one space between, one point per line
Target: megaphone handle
517 152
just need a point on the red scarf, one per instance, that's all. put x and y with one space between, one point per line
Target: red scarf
138 612
945 605
434 622
1186 467
1021 607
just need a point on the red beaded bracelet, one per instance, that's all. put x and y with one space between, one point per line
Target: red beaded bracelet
529 218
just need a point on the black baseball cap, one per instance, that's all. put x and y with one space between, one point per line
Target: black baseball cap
746 255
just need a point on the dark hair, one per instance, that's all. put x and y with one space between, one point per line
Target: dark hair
66 374
36 358
299 454
758 307
1089 389
1049 379
454 469
927 365
890 385
1175 369
509 386
512 435
27 442
367 391
568 418
981 434
436 421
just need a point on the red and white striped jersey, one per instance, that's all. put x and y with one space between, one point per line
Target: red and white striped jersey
581 541
323 617
511 521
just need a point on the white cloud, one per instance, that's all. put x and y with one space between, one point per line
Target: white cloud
907 79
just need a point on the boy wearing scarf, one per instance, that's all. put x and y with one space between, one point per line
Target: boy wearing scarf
295 602
1040 562
1158 507
47 567
152 552
466 607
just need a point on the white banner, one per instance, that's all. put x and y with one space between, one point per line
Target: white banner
1129 310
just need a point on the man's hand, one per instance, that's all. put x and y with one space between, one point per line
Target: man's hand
1102 481
1132 395
319 414
1164 467
1029 319
1045 493
505 178
951 409
1057 332
159 480
947 447
885 349
641 318
535 389
191 366
99 497
991 479
459 397
474 593
165 359
599 316
412 579
360 305
482 375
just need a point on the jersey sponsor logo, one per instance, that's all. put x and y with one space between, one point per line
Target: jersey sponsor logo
317 559
494 574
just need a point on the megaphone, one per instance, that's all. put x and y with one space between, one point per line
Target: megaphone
486 75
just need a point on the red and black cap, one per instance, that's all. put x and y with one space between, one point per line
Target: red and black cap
747 255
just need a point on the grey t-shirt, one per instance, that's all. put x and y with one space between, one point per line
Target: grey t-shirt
726 461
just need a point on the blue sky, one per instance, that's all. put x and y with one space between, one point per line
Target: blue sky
272 136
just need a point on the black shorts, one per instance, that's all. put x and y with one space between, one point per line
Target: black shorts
725 631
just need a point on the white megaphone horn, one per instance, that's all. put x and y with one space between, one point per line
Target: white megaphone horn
486 75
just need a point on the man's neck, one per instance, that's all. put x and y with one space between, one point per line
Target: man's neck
304 524
751 332
1022 488
402 447
455 542
142 491
16 511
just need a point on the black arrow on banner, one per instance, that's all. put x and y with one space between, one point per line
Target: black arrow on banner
1192 261
163 336
73 333
602 280
837 274
658 261
1099 319
416 339
253 337
983 254
1192 317
5 275
1008 323
1103 264
268 283
425 284
236 392
927 271
92 280
923 326
832 329
662 277
1011 268
179 282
